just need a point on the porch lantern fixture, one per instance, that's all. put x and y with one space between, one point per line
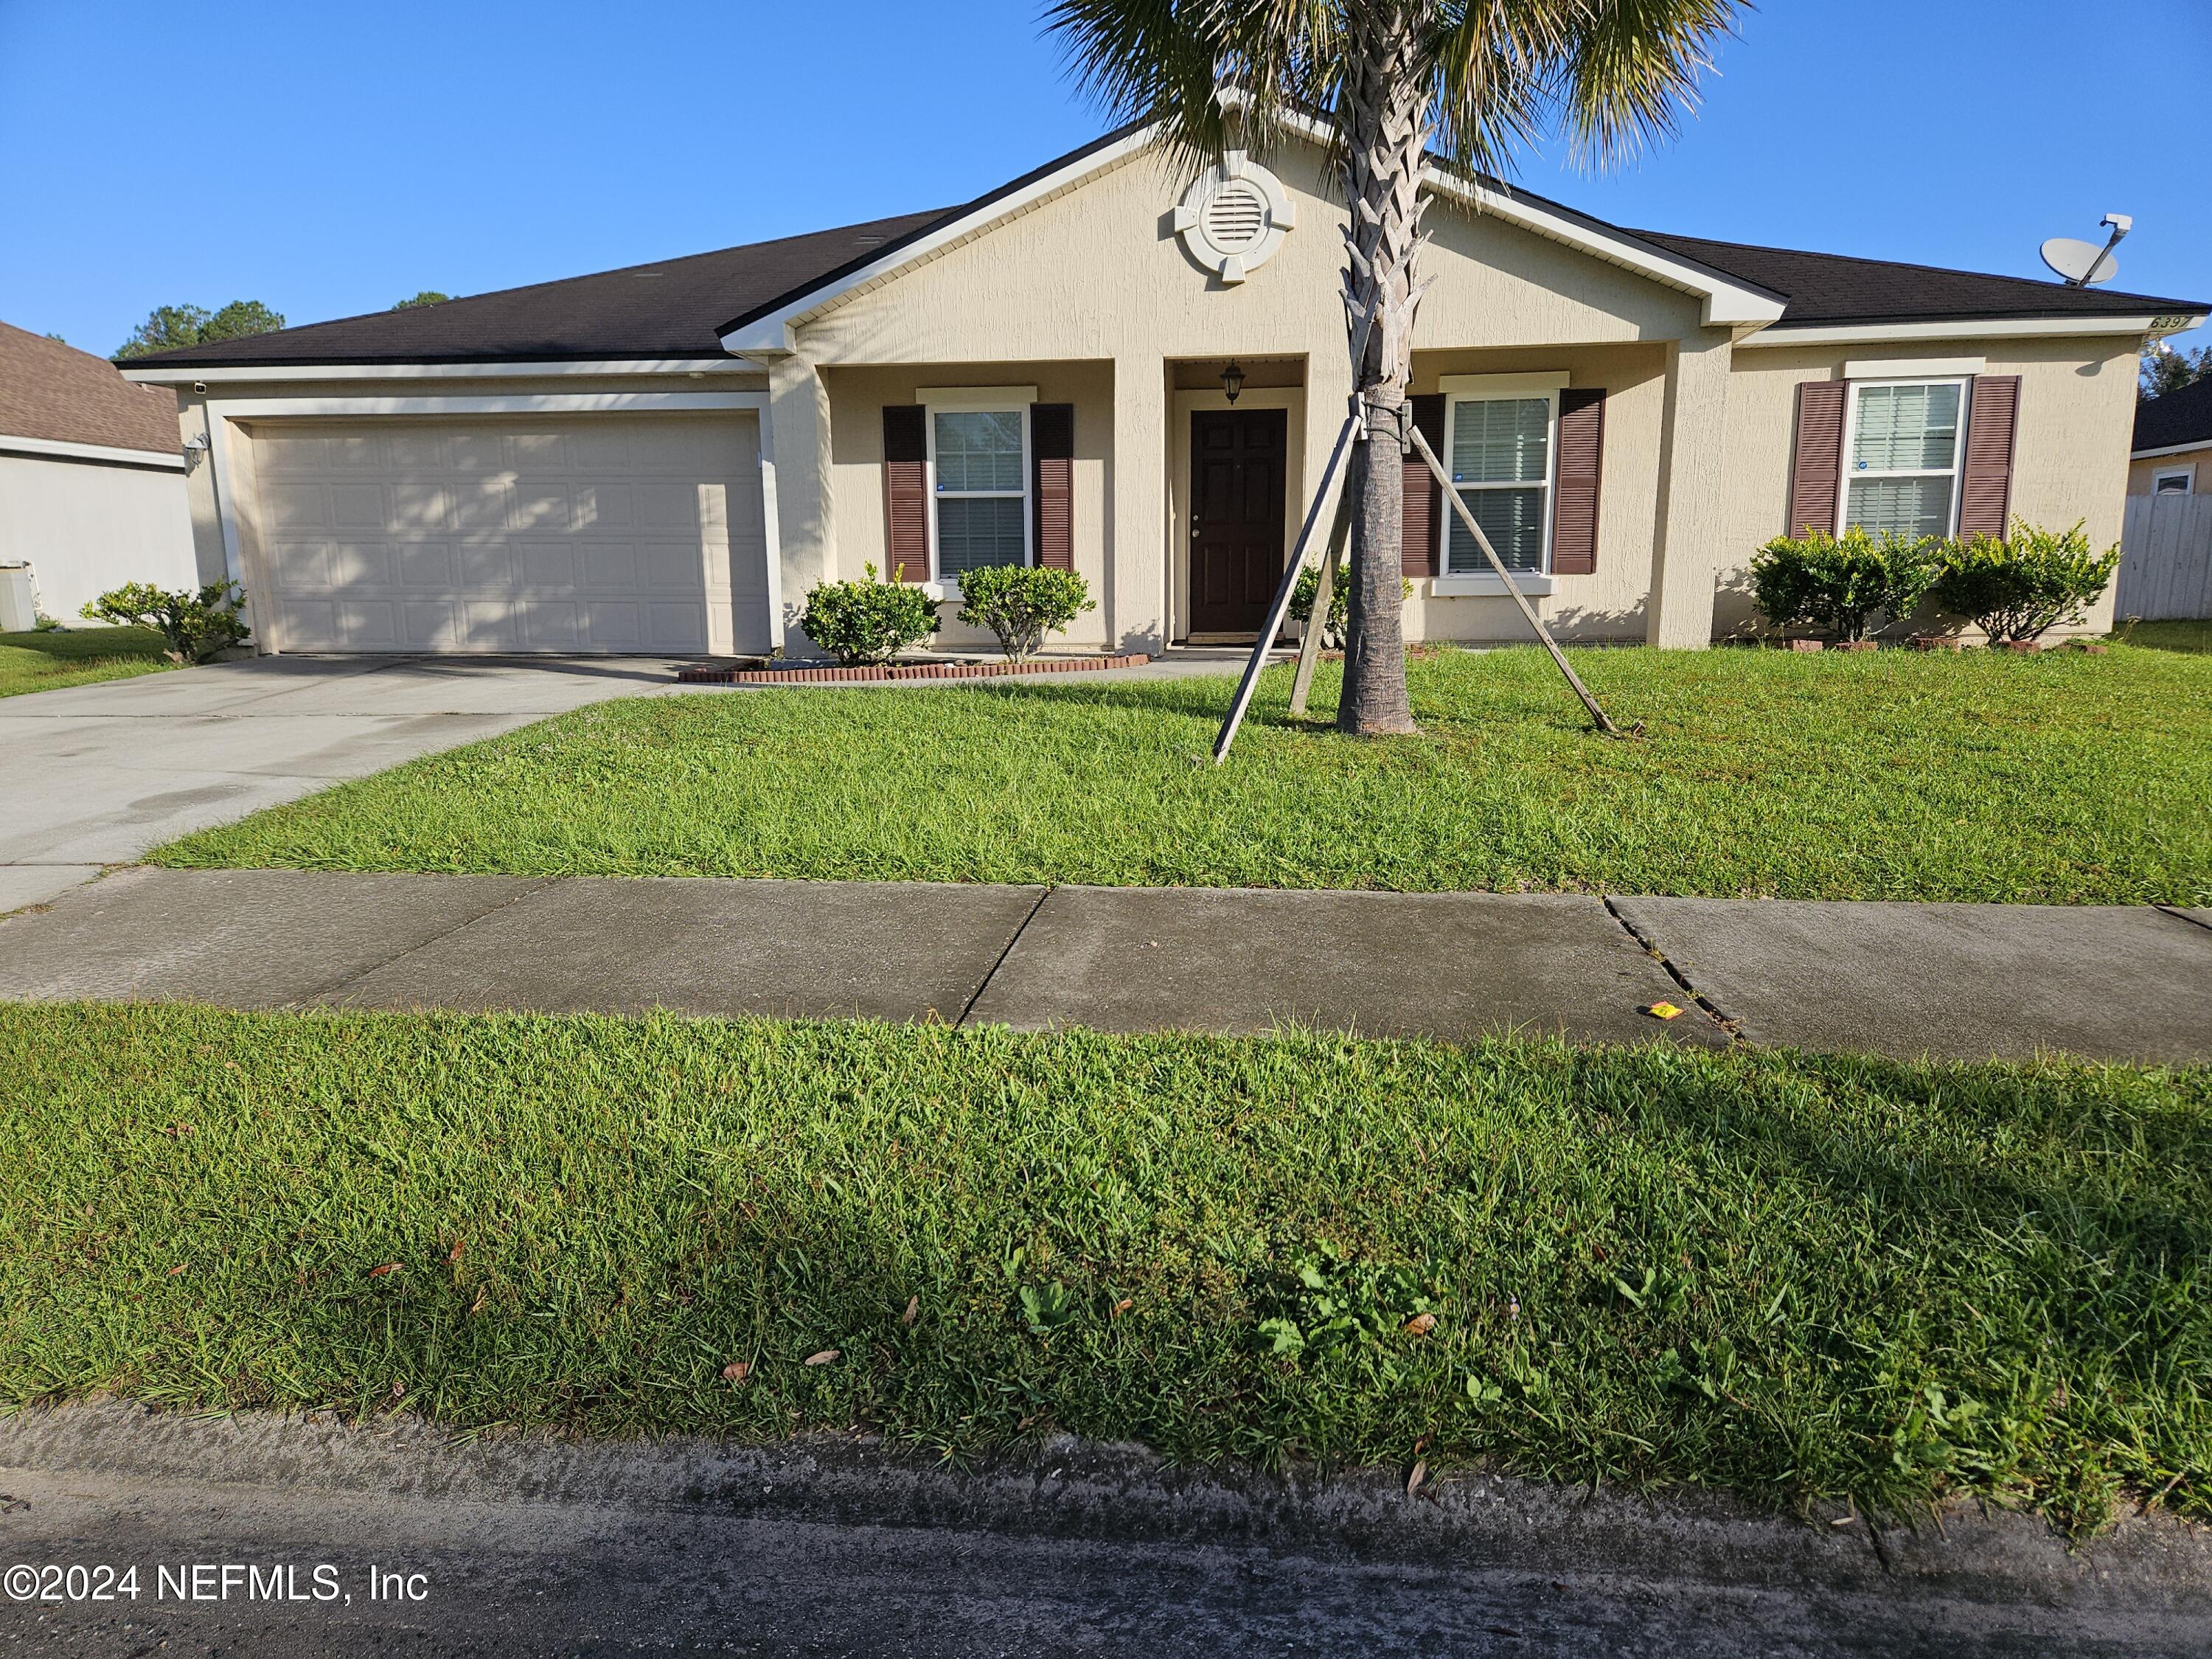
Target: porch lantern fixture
1232 379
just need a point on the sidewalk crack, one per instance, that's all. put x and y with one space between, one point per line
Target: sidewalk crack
969 1008
537 885
1728 1023
2180 915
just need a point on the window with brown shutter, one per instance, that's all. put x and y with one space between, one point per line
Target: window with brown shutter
1985 492
1052 493
906 493
1574 497
1816 465
1420 532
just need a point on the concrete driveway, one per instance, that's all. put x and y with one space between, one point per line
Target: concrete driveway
97 774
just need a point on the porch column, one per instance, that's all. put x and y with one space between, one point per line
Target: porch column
1688 554
1136 533
798 439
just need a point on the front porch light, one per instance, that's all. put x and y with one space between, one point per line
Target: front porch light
1232 379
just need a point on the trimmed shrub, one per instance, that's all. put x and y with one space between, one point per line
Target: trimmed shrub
2032 580
194 626
1837 583
867 622
1021 604
1340 604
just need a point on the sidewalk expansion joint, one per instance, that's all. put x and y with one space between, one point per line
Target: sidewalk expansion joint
2180 915
1728 1023
984 984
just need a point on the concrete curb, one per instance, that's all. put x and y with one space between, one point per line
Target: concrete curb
1072 1489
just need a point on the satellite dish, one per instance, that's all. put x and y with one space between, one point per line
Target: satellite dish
2074 259
2084 264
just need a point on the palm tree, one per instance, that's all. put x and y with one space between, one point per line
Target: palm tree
1474 79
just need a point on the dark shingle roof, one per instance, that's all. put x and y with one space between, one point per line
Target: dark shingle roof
670 308
55 393
681 307
1837 287
2182 415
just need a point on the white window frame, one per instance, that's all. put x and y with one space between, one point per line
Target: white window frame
2186 474
1958 471
1497 388
975 400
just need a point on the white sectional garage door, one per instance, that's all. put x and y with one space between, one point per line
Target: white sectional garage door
618 533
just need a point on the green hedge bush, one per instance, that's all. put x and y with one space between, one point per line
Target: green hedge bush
867 622
2017 588
1839 584
1021 604
194 626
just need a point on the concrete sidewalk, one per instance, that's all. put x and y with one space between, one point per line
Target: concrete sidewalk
1957 981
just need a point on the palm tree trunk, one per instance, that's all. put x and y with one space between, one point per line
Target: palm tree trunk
1385 101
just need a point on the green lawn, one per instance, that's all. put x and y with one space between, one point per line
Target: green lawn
2067 779
2182 635
1791 1277
77 656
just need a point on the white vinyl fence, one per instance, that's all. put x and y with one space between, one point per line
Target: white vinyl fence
2165 558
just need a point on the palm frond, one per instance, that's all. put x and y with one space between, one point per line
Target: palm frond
1632 72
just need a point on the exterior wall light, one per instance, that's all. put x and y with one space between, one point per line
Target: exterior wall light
1232 379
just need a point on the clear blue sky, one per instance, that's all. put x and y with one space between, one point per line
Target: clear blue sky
330 158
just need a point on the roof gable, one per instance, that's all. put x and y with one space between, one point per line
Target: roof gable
764 328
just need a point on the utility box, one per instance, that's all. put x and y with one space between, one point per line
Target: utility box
19 599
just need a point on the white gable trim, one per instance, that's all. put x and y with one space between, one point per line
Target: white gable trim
63 449
1963 328
1725 302
2170 449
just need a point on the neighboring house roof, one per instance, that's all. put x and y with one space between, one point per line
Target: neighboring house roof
1830 288
53 393
685 307
2178 420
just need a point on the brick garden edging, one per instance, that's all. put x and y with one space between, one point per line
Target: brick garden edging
916 670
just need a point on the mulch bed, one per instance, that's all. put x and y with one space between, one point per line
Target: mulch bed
916 670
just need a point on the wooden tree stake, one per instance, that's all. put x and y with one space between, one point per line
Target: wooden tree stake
1559 657
1324 589
1280 608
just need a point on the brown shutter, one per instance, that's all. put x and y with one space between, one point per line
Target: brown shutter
1425 502
1052 492
1574 489
906 494
1816 466
1985 491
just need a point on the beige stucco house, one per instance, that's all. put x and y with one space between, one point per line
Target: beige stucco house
664 459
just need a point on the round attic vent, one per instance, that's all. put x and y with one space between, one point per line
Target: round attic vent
1233 217
1236 216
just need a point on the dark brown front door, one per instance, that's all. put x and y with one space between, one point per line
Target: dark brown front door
1236 516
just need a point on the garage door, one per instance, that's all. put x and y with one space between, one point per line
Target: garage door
618 533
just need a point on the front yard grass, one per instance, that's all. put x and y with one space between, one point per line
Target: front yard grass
53 658
2060 779
1788 1276
2175 635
